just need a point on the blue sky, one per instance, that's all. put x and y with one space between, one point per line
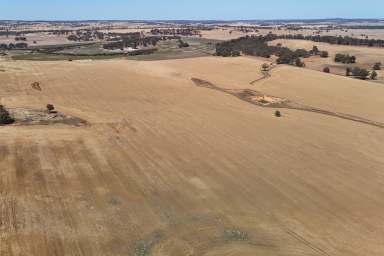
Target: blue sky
191 9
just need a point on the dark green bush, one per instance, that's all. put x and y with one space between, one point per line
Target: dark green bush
5 117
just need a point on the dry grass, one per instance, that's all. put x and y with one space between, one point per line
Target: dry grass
39 38
168 168
225 33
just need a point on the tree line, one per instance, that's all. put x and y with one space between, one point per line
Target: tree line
361 73
258 46
178 31
13 46
134 42
340 40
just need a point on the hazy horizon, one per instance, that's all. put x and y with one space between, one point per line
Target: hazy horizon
72 10
205 20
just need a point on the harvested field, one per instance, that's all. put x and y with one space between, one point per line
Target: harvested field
168 168
227 33
38 39
366 56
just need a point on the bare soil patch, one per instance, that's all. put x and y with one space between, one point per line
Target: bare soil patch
25 116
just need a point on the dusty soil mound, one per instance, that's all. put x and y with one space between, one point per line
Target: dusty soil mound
251 96
36 86
24 116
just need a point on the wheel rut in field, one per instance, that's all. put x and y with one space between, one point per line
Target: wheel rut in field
267 101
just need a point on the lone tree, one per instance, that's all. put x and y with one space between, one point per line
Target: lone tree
50 108
315 49
324 54
277 113
5 117
265 67
326 70
348 72
373 75
377 66
299 63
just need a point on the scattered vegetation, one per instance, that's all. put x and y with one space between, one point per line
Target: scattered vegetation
142 249
133 40
183 44
236 235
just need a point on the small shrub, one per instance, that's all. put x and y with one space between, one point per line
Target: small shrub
373 75
377 66
5 117
277 113
324 54
348 72
299 63
50 108
326 70
265 67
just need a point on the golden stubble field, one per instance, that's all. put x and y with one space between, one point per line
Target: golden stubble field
165 168
227 33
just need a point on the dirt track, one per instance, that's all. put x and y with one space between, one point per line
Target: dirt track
248 96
